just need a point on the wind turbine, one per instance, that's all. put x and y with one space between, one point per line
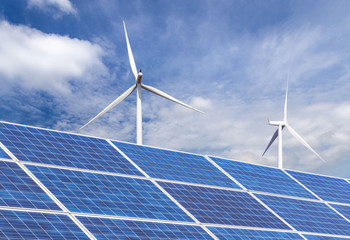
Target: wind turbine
281 125
138 85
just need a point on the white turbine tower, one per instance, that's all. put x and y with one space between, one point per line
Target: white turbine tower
281 125
138 85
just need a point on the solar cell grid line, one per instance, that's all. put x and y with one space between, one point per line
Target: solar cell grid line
307 216
262 179
174 165
63 149
17 189
327 188
104 228
85 192
237 233
219 206
35 225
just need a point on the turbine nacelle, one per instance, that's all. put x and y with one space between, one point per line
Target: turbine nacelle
139 77
277 123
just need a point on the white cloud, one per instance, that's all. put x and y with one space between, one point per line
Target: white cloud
63 6
35 60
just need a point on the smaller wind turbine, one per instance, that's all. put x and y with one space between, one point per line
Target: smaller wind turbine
281 125
138 85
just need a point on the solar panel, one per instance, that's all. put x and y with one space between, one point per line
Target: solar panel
103 228
236 233
63 149
113 206
264 179
30 225
327 188
210 205
86 192
178 166
3 154
17 189
307 216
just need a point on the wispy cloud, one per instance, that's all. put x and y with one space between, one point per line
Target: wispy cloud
58 6
241 80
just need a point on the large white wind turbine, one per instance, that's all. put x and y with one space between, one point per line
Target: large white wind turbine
281 125
138 85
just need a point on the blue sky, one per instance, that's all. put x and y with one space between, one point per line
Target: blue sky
63 61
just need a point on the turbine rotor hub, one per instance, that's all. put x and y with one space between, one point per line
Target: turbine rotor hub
139 77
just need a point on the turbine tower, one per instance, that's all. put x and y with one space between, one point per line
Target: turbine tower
138 85
278 133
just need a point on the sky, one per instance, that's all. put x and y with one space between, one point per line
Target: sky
63 61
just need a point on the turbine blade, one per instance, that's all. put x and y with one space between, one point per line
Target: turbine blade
274 136
166 96
113 104
300 139
131 56
285 104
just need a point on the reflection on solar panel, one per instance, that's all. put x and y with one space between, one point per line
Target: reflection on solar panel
264 179
50 147
235 233
183 195
3 154
219 206
327 188
110 195
178 166
27 225
307 215
17 189
126 229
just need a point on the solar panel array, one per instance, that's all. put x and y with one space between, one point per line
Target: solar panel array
56 185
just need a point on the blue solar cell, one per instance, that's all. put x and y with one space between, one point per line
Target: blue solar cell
126 229
219 206
3 154
264 179
307 216
177 166
17 189
327 188
63 149
318 237
26 225
234 233
109 195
